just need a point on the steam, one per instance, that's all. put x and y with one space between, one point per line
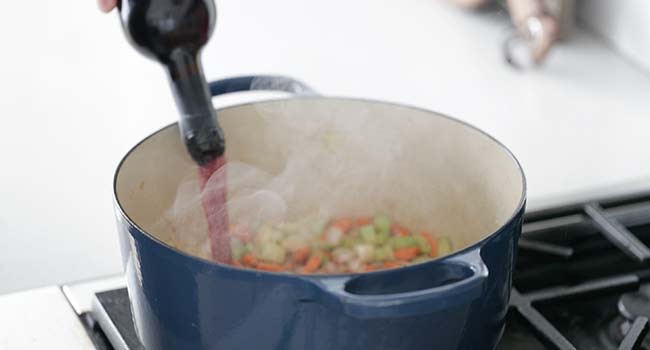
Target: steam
327 165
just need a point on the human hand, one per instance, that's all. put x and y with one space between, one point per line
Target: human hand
471 4
107 5
538 29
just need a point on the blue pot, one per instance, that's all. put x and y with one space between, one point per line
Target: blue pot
459 301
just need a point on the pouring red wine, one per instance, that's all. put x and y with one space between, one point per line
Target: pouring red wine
173 33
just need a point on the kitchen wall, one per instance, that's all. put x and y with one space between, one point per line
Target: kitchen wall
624 24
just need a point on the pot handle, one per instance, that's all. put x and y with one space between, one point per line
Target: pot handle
462 289
260 83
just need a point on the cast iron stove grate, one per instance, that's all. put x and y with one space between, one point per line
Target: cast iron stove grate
590 266
581 282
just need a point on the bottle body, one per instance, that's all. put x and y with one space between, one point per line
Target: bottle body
173 32
158 27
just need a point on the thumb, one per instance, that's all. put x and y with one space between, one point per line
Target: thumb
107 5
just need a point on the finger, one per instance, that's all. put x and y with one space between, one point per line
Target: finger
471 4
545 39
107 5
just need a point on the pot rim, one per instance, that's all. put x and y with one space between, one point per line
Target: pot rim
476 245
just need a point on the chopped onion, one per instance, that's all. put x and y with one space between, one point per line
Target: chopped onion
365 252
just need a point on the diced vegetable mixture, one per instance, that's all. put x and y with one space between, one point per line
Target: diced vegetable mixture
347 245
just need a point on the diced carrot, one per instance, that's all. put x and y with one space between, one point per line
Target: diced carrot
393 264
432 242
408 253
369 268
399 230
313 263
289 266
301 255
249 260
344 224
363 221
264 266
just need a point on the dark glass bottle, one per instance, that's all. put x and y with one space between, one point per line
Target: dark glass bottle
173 32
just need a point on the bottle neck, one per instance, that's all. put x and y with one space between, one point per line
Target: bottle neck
201 132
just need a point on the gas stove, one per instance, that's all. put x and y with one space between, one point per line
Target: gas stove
582 279
582 282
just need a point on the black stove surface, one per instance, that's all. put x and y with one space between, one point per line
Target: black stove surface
582 282
117 320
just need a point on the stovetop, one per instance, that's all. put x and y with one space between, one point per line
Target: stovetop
582 282
582 279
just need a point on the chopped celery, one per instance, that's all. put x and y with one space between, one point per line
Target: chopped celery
273 252
382 224
368 234
349 242
389 251
316 243
403 242
382 237
444 246
383 253
423 244
420 259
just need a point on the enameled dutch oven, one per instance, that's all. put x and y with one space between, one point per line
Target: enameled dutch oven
475 193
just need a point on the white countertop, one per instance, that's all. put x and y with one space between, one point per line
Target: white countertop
75 97
41 319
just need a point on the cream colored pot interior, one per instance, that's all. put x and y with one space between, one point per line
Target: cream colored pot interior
425 170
